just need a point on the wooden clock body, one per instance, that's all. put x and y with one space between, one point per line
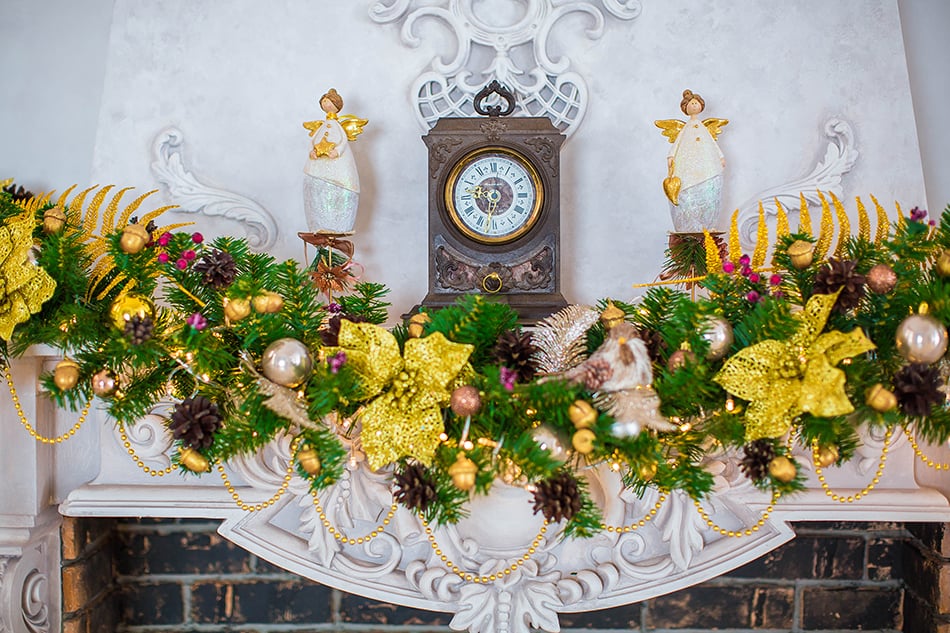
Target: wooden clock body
515 257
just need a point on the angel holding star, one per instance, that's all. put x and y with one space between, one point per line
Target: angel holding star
331 187
695 163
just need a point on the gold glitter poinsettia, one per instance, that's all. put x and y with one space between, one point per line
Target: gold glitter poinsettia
24 287
783 379
405 417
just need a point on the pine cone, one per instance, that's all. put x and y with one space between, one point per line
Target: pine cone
840 273
597 372
139 329
414 488
516 352
758 454
218 269
19 193
330 335
195 421
655 343
917 387
557 498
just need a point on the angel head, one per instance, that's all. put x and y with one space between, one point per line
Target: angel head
692 103
331 102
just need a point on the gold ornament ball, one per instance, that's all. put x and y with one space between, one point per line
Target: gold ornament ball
783 469
66 374
463 472
268 302
583 441
236 309
417 324
827 456
647 471
128 306
287 362
54 220
881 279
309 460
465 401
881 399
943 264
104 383
193 460
921 339
134 238
802 253
582 414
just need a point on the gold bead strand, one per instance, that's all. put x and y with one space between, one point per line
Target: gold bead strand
622 529
138 460
868 488
59 439
477 578
342 537
737 533
257 507
920 454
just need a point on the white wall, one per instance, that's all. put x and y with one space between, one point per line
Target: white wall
54 85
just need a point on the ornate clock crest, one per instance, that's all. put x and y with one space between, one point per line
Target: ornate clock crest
494 208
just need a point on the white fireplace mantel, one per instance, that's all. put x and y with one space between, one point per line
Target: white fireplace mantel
673 550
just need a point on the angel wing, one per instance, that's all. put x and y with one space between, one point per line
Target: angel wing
352 125
670 127
312 126
715 126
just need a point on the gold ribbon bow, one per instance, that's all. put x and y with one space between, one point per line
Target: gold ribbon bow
783 379
405 417
24 287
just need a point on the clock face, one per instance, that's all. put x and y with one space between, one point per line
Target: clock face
493 195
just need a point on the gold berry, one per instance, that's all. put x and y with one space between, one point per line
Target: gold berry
783 469
236 309
583 441
827 456
582 414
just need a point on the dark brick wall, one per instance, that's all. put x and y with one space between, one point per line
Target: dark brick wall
173 575
90 594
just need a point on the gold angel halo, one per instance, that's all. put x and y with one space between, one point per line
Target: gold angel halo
351 124
670 128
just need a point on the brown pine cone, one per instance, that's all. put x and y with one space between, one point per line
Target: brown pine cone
195 422
557 498
917 387
515 351
414 488
19 193
755 463
218 269
139 329
841 274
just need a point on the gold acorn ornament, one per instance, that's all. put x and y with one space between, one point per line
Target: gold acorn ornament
583 441
463 472
236 309
134 238
802 253
612 315
880 398
943 263
268 302
582 414
783 469
66 374
309 460
127 306
54 220
417 324
193 460
827 456
104 383
647 471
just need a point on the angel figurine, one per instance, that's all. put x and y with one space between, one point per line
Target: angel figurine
331 187
695 162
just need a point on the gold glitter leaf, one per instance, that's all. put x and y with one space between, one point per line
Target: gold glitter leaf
825 231
761 240
864 222
804 217
713 257
735 247
844 225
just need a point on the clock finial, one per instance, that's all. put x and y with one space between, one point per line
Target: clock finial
496 87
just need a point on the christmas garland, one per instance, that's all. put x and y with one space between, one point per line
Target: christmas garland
805 349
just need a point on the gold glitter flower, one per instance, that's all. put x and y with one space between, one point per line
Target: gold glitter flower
24 286
783 379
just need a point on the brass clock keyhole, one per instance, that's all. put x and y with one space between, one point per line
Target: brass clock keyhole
492 283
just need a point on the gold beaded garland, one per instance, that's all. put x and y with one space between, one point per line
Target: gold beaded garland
636 525
138 461
342 537
59 439
868 488
737 533
920 454
288 475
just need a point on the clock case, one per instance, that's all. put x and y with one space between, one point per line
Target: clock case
527 268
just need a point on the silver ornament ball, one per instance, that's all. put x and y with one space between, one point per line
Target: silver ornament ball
718 333
921 339
103 383
287 362
549 441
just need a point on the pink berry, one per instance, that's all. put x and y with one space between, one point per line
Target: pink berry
189 255
728 267
164 239
182 264
197 238
163 258
754 277
753 296
775 280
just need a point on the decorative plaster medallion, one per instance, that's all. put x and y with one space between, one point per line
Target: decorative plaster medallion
193 196
840 156
503 40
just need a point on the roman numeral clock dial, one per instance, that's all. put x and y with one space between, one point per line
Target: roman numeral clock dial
494 208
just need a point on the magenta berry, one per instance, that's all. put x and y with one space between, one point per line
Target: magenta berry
197 238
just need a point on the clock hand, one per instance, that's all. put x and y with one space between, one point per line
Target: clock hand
493 197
